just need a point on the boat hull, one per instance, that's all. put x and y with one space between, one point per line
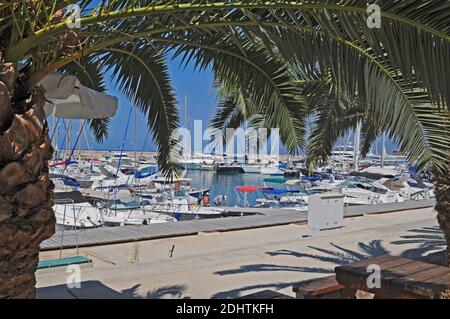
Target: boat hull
251 169
229 170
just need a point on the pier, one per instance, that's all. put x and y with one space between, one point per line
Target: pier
263 218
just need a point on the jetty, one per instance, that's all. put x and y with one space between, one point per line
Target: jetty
263 218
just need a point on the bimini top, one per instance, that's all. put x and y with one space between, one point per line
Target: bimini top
311 178
275 180
293 182
279 191
250 189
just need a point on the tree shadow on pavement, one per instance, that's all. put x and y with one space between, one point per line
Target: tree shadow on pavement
95 289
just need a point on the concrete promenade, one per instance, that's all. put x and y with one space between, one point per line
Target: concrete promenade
230 264
264 218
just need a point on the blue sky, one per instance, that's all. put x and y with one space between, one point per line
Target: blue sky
202 101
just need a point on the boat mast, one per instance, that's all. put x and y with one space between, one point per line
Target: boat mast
57 142
185 128
356 143
383 149
54 123
79 145
135 142
69 137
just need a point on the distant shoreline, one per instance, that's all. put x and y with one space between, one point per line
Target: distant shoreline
145 154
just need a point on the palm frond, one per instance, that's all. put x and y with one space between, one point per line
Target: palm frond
410 115
141 73
370 132
88 71
100 128
398 72
256 77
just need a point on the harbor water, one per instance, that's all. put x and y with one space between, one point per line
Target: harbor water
224 184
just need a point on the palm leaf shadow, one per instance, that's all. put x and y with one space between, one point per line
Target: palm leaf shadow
429 240
173 292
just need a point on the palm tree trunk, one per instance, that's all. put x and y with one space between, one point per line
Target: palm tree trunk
26 216
442 185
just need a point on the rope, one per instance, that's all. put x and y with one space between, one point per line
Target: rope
54 130
63 143
73 148
124 140
140 157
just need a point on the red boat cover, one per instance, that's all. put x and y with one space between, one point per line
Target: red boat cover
58 163
250 189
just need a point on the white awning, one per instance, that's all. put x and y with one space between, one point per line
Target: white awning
68 99
293 182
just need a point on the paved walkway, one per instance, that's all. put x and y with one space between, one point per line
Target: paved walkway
231 264
266 218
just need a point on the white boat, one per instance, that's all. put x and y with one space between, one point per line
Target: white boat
297 201
118 213
79 215
410 188
251 169
386 170
163 183
182 209
121 158
208 167
121 218
362 193
272 170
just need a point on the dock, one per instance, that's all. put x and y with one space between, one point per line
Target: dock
263 218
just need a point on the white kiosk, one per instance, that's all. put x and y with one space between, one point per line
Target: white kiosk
325 211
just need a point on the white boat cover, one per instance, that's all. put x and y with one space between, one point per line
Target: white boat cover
387 170
68 99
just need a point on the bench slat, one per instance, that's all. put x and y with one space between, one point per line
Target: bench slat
317 287
430 288
400 278
266 294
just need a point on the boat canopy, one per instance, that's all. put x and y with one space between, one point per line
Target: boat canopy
75 197
368 175
250 189
70 182
164 180
275 180
118 205
279 191
312 178
61 163
293 182
146 172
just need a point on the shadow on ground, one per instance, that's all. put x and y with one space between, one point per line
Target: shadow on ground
428 241
97 290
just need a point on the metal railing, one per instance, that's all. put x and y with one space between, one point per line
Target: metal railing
67 202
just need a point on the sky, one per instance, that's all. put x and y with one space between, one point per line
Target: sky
196 85
202 103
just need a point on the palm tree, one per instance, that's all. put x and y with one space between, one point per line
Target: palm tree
391 79
130 41
246 44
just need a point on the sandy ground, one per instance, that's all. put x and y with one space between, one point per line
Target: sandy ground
228 265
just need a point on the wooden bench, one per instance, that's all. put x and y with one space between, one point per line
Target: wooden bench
266 294
400 278
320 288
